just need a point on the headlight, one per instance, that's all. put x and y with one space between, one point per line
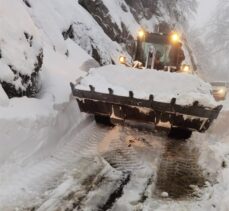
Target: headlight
122 60
221 91
141 33
175 37
185 68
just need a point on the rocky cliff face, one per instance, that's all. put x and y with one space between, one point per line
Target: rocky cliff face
121 19
143 9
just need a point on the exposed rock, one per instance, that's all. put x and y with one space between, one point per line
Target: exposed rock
96 55
24 85
143 8
69 33
101 14
27 3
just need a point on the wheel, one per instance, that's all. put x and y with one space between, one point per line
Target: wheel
101 119
179 133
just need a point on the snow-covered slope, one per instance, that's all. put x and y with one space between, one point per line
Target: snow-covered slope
21 49
36 25
69 20
58 69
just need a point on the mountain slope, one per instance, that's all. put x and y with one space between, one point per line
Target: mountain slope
104 29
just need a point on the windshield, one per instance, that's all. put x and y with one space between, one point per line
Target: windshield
161 51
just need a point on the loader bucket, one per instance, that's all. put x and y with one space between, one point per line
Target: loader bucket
191 117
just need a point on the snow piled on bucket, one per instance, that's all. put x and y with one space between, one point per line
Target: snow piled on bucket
186 88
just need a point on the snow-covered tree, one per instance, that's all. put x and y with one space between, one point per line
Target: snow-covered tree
218 37
180 10
219 30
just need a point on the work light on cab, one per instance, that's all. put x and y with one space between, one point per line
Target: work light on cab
185 68
222 91
175 37
122 60
141 33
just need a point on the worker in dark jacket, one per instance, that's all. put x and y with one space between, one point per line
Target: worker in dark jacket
158 65
176 55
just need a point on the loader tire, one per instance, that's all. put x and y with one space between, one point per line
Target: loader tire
104 120
179 133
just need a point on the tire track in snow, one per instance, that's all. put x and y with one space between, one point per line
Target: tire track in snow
173 167
102 192
87 191
179 172
139 159
137 152
116 194
120 154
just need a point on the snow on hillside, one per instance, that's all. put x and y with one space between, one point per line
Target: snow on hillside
69 20
38 25
57 71
20 41
120 16
32 128
20 46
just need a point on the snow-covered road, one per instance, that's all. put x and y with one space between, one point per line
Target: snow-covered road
110 168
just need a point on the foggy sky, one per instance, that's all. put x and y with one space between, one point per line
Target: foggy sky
204 12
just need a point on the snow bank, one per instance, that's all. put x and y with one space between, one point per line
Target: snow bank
164 86
31 129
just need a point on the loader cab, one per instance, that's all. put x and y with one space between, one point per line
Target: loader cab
153 49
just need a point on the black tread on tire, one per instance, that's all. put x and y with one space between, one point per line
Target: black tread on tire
105 120
179 133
